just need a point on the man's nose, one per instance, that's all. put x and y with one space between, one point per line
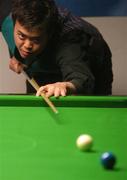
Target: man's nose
28 45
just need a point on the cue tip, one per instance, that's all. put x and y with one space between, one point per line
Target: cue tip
56 112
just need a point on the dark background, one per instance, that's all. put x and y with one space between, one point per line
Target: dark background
5 7
81 7
96 7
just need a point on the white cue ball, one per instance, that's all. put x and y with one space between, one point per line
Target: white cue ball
84 142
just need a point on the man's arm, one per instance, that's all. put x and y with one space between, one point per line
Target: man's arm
77 76
7 32
76 68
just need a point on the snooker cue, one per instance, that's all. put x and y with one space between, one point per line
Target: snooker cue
36 87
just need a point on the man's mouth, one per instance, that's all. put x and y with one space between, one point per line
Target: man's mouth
25 53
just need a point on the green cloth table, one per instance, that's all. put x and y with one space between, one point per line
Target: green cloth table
37 144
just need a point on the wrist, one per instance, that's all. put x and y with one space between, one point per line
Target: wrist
70 87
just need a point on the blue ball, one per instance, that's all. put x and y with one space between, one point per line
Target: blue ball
108 160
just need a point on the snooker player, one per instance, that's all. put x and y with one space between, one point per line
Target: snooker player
62 52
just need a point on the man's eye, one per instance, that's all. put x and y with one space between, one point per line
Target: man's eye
36 41
21 36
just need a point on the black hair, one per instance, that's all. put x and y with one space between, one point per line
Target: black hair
35 13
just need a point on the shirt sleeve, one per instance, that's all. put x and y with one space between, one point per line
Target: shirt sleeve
75 68
7 31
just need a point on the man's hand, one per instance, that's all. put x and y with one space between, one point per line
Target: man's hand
57 89
15 65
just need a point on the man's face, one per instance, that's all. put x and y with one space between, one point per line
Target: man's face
29 42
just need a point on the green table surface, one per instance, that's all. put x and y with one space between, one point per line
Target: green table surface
37 144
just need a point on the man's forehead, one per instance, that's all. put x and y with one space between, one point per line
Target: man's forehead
36 31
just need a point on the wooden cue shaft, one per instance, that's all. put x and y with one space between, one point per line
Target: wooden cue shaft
36 86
